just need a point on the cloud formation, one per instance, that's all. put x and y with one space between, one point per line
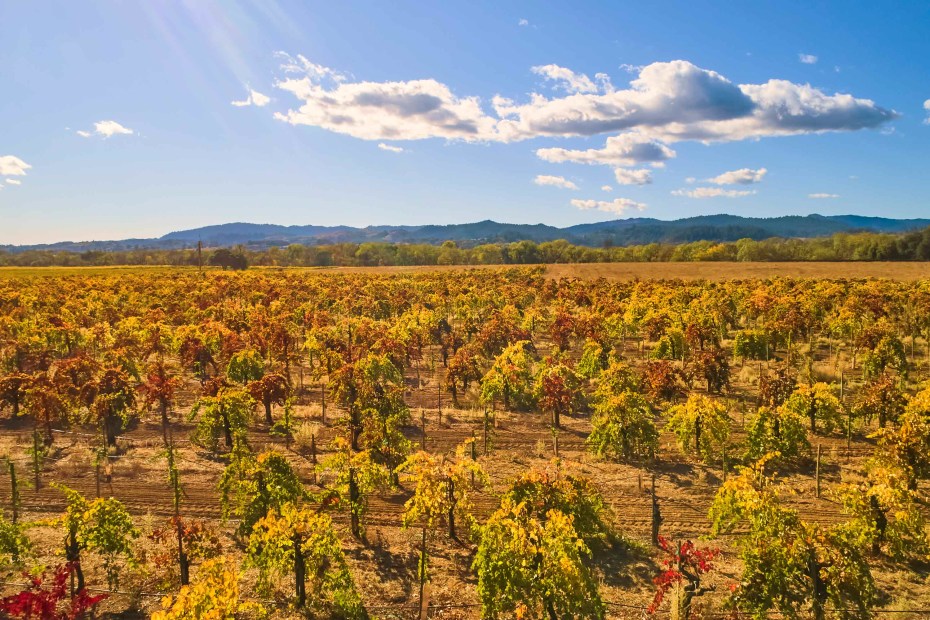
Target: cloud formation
712 192
743 176
548 179
617 205
823 195
413 110
640 176
927 110
606 188
255 98
390 147
566 79
667 101
807 59
626 149
13 166
13 182
107 129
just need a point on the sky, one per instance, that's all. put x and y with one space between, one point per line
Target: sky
129 119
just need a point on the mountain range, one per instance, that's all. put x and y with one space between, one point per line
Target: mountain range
631 231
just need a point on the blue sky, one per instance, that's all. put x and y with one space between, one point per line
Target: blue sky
117 117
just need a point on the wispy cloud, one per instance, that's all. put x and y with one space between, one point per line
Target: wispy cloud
523 22
13 182
807 59
822 195
554 181
927 110
606 188
390 148
254 98
566 79
712 192
617 205
743 176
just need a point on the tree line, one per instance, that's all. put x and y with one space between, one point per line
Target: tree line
913 246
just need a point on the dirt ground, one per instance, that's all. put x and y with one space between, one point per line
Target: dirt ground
385 566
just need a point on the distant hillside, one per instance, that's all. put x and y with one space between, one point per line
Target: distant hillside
623 232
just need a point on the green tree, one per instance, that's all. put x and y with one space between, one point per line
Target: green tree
819 404
101 526
886 514
14 544
623 426
442 487
907 444
357 475
301 541
807 565
225 415
776 429
252 486
543 491
701 424
510 378
534 568
245 366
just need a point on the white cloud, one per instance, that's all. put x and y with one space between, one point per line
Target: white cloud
667 102
690 180
414 110
606 188
822 195
255 98
617 205
13 166
807 59
626 149
390 147
673 101
625 176
523 22
712 192
743 176
567 79
548 179
13 182
927 109
300 64
106 129
111 128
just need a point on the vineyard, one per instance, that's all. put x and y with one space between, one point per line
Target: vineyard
463 443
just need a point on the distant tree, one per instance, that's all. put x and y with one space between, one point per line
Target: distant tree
229 259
